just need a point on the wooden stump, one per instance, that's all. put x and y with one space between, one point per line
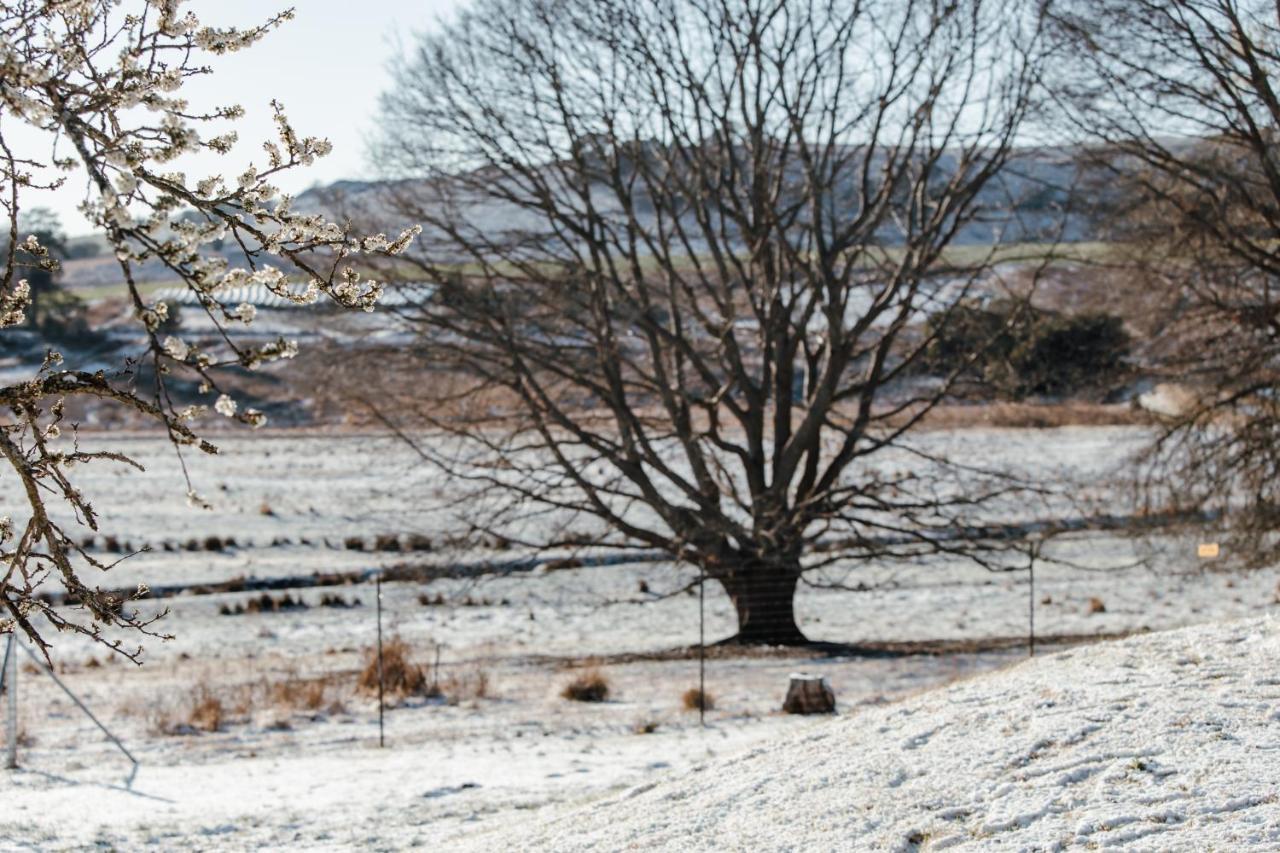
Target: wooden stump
809 694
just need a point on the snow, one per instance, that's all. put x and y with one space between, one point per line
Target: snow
1162 742
908 753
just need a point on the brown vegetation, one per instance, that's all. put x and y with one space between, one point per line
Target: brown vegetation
696 700
1034 415
400 675
589 686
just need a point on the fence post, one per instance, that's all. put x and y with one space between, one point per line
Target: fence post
1031 609
381 704
11 691
702 646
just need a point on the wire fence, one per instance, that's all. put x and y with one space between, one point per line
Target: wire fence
392 658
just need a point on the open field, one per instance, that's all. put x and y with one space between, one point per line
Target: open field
250 728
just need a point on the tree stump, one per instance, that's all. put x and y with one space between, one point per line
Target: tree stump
809 694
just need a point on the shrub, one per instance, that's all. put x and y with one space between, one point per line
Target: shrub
1068 353
590 686
400 676
695 700
1015 350
264 603
418 542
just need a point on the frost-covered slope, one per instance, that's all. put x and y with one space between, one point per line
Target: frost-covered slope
1168 741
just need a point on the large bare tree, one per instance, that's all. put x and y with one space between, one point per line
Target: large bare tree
684 250
1178 102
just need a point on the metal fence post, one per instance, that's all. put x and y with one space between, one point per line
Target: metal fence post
702 646
11 691
381 704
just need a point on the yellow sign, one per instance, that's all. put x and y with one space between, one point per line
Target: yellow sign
1207 550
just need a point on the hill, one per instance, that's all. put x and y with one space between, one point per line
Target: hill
1161 742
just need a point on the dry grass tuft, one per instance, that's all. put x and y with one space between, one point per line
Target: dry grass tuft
300 694
590 686
695 700
204 712
400 676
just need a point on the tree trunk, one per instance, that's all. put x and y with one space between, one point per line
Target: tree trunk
764 596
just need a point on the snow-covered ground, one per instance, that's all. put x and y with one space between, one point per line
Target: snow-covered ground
1164 742
294 759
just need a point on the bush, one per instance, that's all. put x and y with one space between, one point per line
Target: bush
1015 350
400 676
1068 353
63 318
695 700
590 686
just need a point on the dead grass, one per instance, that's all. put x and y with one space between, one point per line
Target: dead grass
207 713
299 694
202 710
208 708
1034 415
696 700
400 675
589 686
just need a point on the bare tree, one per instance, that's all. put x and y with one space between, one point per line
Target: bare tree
1178 101
684 250
92 90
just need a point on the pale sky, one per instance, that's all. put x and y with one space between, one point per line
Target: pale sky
328 67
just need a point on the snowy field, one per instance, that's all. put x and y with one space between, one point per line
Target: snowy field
1164 742
293 757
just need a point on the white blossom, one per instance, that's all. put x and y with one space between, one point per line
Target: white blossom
176 348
